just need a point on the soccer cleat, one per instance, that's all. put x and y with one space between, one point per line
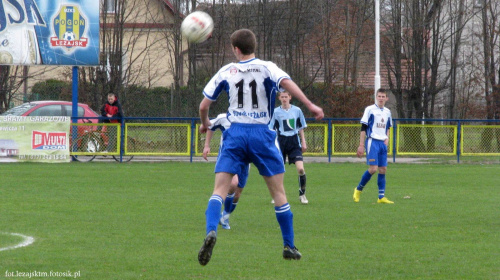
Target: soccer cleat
303 199
224 220
205 252
291 253
385 200
356 195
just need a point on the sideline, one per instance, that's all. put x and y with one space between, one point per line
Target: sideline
27 240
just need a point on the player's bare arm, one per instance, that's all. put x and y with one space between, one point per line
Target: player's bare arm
303 140
206 148
386 141
361 148
205 121
296 92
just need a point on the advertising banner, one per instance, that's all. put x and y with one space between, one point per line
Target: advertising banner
49 32
34 139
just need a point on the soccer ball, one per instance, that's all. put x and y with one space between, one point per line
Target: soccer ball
69 36
197 27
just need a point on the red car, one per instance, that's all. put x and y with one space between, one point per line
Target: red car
52 108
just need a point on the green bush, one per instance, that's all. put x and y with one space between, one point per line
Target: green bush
50 90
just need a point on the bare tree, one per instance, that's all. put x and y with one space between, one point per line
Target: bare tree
491 47
132 44
425 38
12 78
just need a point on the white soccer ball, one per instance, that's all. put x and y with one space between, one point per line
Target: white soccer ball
197 27
69 36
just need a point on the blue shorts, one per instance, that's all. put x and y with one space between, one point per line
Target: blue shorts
249 143
243 177
376 152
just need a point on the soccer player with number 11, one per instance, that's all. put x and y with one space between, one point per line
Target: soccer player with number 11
251 86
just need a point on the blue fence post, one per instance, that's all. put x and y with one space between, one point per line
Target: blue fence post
394 132
74 103
458 141
193 131
330 139
122 137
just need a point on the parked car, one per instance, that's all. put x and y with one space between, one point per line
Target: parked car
52 108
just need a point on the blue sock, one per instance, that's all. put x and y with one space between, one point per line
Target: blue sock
228 203
233 206
364 180
212 213
285 219
381 185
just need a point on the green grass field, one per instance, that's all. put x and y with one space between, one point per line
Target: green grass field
146 221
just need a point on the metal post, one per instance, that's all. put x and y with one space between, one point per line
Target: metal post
122 138
394 132
330 139
74 99
377 46
458 141
74 104
193 132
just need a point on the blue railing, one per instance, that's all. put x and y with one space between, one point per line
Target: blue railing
329 121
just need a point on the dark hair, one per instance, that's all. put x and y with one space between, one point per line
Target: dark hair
381 90
244 39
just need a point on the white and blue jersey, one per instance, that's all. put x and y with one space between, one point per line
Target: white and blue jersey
288 122
251 86
220 122
378 121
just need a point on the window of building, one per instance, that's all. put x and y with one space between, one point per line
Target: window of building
109 6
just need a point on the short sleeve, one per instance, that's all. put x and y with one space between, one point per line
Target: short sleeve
366 116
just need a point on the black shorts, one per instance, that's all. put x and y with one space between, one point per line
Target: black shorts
290 146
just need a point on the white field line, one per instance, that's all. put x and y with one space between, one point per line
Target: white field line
27 240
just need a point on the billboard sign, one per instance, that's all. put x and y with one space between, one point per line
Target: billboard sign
49 32
34 139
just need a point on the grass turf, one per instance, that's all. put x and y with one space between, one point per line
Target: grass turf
146 221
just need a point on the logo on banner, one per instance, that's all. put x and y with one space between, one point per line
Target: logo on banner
41 140
14 13
69 27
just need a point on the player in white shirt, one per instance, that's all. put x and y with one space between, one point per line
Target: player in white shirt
251 86
375 125
239 180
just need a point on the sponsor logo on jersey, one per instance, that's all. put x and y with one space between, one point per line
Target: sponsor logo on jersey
289 125
381 124
250 70
255 115
69 27
41 140
233 71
